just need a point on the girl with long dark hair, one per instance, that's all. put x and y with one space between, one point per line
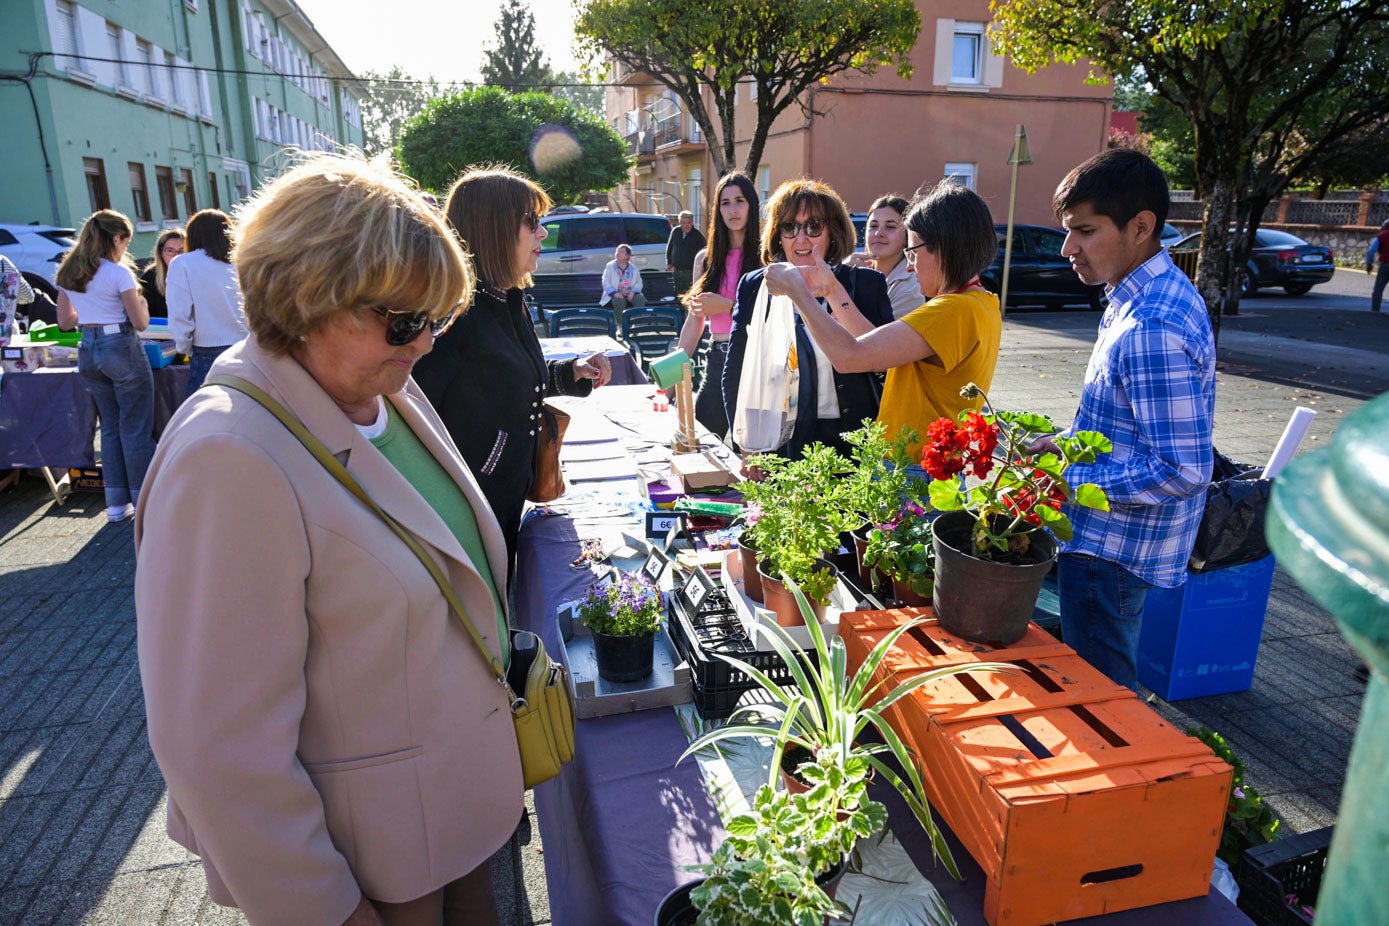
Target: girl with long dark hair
735 229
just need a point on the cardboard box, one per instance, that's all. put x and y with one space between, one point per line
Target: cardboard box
1074 797
86 480
696 471
1202 638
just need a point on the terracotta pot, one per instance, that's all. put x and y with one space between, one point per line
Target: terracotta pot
752 579
624 659
979 599
792 758
777 598
908 598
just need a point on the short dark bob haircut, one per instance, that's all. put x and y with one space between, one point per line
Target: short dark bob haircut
955 225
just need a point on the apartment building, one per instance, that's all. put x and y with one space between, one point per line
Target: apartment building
956 117
160 109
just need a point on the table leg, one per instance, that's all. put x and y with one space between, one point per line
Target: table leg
60 487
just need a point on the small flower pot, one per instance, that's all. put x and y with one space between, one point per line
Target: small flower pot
752 579
866 573
677 909
624 659
829 881
979 599
907 597
779 599
792 758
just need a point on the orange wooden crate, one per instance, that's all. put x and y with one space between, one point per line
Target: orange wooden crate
1074 797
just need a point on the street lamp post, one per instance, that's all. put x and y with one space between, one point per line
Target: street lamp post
1021 154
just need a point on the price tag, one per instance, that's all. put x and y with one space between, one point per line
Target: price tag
656 564
697 588
659 524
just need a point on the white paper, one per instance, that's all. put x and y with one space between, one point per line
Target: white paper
1288 443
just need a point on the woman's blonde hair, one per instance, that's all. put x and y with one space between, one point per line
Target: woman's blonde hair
823 203
336 234
161 266
485 206
95 242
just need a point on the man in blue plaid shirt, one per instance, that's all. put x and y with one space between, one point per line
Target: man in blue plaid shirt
1149 388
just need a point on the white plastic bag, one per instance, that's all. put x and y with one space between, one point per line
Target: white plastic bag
769 385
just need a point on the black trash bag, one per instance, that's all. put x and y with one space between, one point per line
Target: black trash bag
1232 527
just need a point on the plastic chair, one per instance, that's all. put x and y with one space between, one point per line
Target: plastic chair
651 331
582 322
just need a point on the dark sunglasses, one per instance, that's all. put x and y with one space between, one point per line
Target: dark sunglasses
404 327
813 228
531 221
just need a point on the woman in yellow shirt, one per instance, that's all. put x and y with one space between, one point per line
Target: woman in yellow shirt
933 351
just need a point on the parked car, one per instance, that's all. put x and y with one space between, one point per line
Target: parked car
37 250
1277 259
583 242
1171 234
1038 275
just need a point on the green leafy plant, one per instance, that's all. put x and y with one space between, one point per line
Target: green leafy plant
765 871
878 483
1248 822
903 549
831 707
1015 492
798 513
629 607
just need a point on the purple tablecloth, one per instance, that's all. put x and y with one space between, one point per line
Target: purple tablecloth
626 371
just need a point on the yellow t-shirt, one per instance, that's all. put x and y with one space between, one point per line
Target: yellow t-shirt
964 330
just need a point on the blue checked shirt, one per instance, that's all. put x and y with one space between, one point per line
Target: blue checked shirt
1149 388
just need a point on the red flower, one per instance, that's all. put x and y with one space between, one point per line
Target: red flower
944 453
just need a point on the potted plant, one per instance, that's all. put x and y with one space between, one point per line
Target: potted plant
623 616
800 516
781 859
879 483
1248 822
830 708
904 550
995 543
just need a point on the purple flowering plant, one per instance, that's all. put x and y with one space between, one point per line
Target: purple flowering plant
903 549
628 607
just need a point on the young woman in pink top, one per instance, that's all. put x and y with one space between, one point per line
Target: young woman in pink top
735 221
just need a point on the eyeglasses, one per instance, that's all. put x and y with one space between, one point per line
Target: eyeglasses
172 252
909 253
813 228
531 221
404 327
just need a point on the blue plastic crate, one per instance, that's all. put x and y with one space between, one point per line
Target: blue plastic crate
160 353
1202 638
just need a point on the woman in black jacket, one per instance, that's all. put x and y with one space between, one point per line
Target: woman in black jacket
486 375
808 225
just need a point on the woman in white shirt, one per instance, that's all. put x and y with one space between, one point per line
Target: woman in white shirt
622 283
885 241
205 314
97 290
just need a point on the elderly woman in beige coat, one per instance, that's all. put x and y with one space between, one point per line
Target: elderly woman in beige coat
335 746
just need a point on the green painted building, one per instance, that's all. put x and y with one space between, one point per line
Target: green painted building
159 109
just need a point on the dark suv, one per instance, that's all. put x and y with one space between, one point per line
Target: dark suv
1038 275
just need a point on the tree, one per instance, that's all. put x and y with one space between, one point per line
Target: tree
1239 70
393 98
566 150
781 47
515 62
573 87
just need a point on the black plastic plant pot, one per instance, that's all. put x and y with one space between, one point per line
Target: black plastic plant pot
624 659
979 599
677 909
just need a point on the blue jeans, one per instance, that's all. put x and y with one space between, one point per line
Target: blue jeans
1101 612
198 365
117 374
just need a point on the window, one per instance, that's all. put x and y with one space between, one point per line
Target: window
139 192
65 35
1046 242
960 173
190 196
120 66
967 58
97 195
764 183
144 52
212 186
696 184
168 203
176 95
647 231
204 94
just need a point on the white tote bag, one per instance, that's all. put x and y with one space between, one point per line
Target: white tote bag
769 385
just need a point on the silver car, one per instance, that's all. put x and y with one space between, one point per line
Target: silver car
584 242
37 250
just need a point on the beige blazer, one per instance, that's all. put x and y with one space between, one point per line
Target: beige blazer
325 726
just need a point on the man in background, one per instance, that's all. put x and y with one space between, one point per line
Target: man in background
685 242
1379 245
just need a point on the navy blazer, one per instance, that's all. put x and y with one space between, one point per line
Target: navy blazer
858 392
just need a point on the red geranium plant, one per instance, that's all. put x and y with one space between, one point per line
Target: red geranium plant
1012 492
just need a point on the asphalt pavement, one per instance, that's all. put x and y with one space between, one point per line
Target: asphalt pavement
82 801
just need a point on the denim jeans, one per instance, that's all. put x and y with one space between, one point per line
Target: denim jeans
709 402
1101 612
117 374
1381 280
198 365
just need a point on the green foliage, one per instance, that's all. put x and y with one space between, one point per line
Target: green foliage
1248 822
904 549
576 153
586 96
515 61
878 483
783 46
765 871
830 708
393 98
629 607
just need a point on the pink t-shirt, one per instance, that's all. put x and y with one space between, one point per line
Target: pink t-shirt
728 288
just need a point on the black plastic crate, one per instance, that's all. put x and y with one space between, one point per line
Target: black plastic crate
1269 874
717 684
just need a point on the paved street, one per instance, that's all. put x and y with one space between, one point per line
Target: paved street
82 801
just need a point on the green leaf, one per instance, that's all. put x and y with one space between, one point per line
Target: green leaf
945 495
1089 495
